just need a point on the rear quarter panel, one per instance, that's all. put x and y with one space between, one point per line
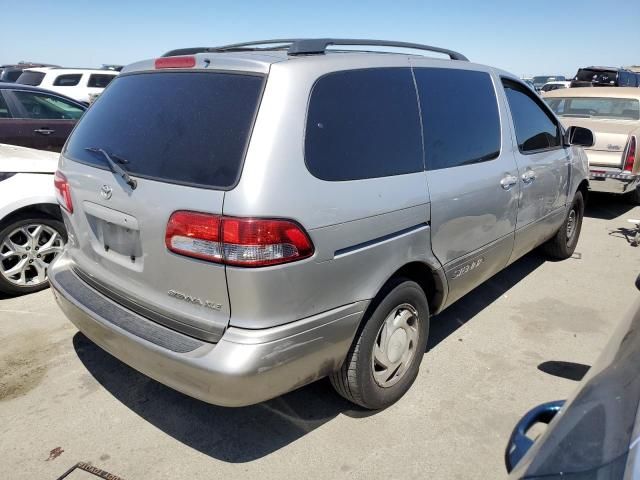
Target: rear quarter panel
342 218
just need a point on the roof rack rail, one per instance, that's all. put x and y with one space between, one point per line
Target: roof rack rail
315 46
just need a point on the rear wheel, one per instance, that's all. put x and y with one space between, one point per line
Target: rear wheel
563 243
384 359
27 246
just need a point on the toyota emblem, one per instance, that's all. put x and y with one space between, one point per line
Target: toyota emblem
106 191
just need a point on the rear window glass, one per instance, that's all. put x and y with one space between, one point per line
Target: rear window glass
602 77
100 80
30 78
614 108
70 80
12 75
187 128
459 115
363 124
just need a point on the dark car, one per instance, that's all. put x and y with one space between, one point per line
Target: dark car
10 73
596 433
36 118
605 77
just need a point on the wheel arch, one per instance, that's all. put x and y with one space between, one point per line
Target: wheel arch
50 210
431 279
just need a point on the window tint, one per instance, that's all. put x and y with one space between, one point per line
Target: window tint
614 108
4 109
459 116
40 105
535 127
30 78
363 124
69 80
99 80
188 128
12 75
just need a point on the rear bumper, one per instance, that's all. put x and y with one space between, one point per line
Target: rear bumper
612 180
245 367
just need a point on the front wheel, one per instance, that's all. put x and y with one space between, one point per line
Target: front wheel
563 243
27 246
383 361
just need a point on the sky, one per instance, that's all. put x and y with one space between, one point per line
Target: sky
524 37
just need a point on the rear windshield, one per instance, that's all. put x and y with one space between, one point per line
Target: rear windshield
30 78
602 77
188 128
613 108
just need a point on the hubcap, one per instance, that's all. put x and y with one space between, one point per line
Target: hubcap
571 223
395 346
26 253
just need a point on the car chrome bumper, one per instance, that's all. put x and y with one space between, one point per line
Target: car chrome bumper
245 367
612 180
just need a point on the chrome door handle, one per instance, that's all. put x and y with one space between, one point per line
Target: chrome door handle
528 177
44 131
508 182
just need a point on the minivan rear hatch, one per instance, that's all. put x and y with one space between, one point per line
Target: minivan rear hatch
182 136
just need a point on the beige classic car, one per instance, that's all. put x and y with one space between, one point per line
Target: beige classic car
613 115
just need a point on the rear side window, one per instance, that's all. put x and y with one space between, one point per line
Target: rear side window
30 78
535 127
99 80
363 124
186 128
4 109
70 80
459 116
12 75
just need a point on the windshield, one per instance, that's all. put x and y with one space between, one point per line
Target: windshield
614 108
30 78
187 128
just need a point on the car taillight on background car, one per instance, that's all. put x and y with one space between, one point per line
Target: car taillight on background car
631 155
63 191
245 242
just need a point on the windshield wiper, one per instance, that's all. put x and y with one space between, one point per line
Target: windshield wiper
114 167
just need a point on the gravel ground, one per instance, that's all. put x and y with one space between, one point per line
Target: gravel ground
492 356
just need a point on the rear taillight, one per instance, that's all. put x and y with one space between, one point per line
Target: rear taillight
175 62
63 191
245 242
631 155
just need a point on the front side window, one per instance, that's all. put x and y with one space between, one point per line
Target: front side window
459 115
47 107
363 124
535 127
70 80
97 80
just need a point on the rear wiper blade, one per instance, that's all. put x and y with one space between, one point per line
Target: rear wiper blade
114 167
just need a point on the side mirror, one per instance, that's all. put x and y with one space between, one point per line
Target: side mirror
579 136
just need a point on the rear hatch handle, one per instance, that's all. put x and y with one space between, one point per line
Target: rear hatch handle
114 167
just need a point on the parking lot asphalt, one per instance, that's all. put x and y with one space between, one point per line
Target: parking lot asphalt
493 355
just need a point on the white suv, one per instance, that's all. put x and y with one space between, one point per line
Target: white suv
79 84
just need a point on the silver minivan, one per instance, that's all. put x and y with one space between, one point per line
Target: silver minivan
244 220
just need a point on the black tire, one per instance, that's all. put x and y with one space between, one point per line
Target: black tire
6 286
355 379
562 245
